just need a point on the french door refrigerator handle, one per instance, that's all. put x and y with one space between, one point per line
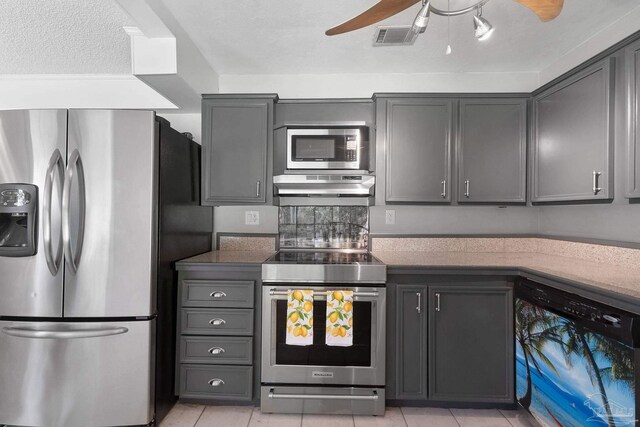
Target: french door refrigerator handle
23 332
56 164
74 168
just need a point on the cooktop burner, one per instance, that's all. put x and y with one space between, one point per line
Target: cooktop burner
323 267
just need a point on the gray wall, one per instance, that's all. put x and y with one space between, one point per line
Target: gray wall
456 220
409 220
618 220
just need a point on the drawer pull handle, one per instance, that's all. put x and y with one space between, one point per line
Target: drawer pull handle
217 294
216 382
217 322
216 350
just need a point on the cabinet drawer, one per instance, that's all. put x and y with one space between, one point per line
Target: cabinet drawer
217 293
217 350
218 382
217 321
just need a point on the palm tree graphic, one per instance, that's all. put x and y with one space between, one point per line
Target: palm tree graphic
535 327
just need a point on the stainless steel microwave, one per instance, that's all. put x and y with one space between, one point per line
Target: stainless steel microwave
328 148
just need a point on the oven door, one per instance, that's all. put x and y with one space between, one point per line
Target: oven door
363 363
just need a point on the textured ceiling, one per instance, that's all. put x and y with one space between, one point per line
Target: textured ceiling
63 37
287 36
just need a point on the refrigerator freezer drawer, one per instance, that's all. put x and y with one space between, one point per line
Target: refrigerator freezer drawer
77 374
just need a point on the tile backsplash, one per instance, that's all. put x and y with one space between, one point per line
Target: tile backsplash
324 227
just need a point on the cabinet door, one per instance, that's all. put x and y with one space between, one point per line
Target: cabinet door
411 342
471 356
492 148
236 139
632 61
419 141
573 137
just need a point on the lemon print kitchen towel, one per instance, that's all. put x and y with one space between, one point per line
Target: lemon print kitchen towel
339 318
299 317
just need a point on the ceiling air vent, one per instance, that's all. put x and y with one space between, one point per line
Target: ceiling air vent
399 35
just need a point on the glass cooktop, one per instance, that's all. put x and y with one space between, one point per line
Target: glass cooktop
323 257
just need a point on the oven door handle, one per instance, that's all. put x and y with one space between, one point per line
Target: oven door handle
319 295
273 395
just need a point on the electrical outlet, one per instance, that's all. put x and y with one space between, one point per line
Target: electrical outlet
390 217
252 218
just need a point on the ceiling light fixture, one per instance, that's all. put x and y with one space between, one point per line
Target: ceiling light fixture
482 27
422 18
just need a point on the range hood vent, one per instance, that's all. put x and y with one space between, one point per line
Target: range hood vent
399 35
323 190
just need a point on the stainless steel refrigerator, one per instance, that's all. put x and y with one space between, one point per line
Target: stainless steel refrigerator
95 205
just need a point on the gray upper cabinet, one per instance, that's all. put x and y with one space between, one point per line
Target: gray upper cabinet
492 145
418 138
471 349
632 61
573 137
237 133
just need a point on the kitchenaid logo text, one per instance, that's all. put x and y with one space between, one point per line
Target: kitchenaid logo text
317 374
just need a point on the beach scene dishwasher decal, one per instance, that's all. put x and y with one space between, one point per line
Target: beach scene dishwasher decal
567 375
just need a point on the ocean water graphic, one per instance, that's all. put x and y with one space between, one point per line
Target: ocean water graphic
569 395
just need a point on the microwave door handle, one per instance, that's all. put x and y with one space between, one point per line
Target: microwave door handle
54 170
74 169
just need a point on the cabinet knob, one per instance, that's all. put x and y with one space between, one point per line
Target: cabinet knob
217 294
216 382
217 322
216 350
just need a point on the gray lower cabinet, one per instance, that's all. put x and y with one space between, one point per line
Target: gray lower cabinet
411 342
237 134
452 341
217 343
471 348
492 150
418 139
632 61
572 133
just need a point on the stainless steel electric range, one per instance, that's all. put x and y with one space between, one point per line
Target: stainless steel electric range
320 378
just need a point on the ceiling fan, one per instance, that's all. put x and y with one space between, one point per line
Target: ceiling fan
545 9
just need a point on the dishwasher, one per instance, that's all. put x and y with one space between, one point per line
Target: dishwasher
577 360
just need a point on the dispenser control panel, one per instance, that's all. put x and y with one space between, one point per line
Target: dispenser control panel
18 220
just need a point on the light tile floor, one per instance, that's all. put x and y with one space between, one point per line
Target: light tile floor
188 415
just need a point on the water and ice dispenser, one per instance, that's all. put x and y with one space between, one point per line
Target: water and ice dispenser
18 220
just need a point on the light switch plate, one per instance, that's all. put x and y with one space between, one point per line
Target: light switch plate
252 218
390 216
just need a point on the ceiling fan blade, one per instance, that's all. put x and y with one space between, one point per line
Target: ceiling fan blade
545 9
380 11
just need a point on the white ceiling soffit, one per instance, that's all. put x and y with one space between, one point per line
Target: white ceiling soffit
285 38
63 37
165 58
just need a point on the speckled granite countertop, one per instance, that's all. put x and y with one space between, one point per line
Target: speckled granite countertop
615 278
228 257
620 279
